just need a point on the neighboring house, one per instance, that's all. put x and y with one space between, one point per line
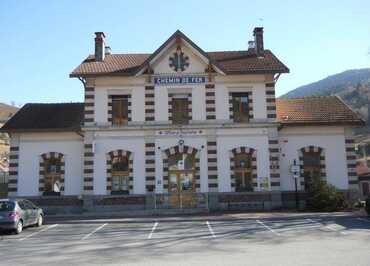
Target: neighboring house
6 112
363 165
181 120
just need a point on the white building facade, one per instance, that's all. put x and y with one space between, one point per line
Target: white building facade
181 120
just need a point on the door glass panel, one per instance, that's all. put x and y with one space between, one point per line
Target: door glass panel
115 183
186 181
181 161
173 183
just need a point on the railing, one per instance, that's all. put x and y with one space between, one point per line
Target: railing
185 200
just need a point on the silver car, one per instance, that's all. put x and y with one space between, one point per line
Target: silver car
19 213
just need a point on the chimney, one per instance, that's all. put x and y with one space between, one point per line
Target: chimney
99 46
258 40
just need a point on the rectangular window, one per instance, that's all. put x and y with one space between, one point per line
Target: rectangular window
180 111
119 110
240 107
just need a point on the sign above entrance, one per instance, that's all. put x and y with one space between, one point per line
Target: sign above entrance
178 133
179 80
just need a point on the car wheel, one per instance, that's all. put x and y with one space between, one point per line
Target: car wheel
40 221
19 227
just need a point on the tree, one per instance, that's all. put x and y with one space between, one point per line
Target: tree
323 196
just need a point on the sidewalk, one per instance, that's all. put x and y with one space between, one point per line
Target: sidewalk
138 216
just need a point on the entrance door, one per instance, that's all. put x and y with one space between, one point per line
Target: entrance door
181 188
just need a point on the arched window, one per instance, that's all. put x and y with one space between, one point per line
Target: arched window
243 172
52 179
120 174
311 167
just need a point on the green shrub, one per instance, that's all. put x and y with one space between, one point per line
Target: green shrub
323 196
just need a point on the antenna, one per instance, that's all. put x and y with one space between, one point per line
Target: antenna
260 21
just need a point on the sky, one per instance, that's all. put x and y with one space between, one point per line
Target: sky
41 42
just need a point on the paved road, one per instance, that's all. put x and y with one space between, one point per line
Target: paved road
245 239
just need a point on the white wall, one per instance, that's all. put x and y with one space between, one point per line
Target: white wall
33 145
330 138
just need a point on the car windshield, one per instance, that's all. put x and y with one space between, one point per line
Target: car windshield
6 206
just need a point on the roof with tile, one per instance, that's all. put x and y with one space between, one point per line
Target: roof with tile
46 117
69 116
231 62
315 110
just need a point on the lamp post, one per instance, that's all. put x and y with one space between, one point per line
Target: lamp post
295 170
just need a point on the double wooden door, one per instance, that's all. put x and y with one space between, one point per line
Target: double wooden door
181 188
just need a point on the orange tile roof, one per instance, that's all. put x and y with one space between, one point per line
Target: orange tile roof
315 110
299 111
232 62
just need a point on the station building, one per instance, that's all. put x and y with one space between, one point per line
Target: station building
180 120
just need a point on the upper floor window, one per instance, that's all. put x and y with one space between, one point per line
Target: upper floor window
240 107
180 110
119 110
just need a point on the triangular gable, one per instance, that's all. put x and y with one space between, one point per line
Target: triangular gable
168 44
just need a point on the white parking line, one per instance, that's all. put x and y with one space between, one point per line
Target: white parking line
210 229
151 232
267 227
38 232
332 227
93 232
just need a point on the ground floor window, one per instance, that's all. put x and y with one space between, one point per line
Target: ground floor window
120 184
365 189
243 173
120 174
52 175
52 184
311 168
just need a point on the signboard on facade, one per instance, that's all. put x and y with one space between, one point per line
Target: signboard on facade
179 80
178 133
295 169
